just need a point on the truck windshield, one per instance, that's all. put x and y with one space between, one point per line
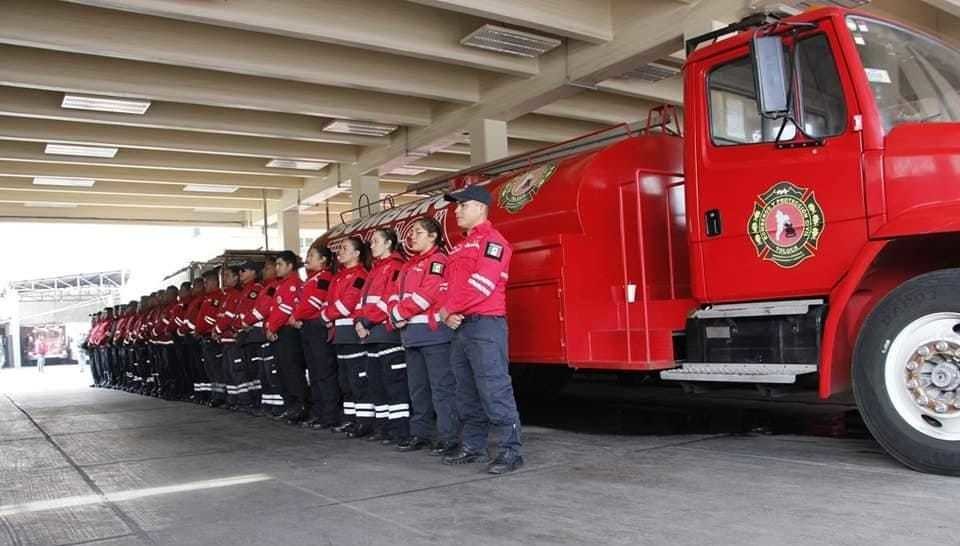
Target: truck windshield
914 78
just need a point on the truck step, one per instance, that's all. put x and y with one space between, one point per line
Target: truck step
738 373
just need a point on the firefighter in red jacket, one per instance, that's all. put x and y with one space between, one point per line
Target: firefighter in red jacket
212 350
245 373
258 349
386 381
475 308
345 289
191 317
430 378
317 350
289 349
223 331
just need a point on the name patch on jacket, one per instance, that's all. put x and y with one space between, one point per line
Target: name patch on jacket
436 268
358 283
494 251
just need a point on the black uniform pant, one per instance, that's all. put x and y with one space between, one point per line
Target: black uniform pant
351 362
233 373
433 395
213 366
289 349
386 370
197 381
322 364
271 393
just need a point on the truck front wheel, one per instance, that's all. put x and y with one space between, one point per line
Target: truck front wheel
906 372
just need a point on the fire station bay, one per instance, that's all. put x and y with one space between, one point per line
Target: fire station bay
479 272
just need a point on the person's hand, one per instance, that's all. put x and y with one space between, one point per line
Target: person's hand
271 336
400 324
443 314
362 332
297 324
454 321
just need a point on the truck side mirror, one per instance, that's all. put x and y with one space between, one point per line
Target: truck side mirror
770 70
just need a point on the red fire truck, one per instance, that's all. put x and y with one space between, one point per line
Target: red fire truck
804 231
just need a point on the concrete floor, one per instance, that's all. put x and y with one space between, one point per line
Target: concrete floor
88 466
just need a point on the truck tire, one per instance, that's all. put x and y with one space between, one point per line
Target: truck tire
906 372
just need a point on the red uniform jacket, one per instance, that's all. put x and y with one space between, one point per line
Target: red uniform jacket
228 312
420 289
191 315
263 306
380 285
345 290
209 309
477 273
314 296
248 299
287 298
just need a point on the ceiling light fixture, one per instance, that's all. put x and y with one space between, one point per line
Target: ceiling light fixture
407 171
364 128
105 104
296 164
510 41
82 151
210 188
43 205
64 181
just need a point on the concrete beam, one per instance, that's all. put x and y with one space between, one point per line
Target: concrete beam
40 130
589 21
157 176
33 103
488 141
120 215
88 197
398 27
668 91
643 32
598 107
50 24
550 129
58 71
33 152
141 189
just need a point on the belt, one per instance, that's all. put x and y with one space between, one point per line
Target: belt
472 318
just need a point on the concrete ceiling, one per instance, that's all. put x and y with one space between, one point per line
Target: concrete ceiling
233 85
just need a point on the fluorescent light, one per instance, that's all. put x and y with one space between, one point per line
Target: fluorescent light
42 205
296 164
407 171
64 181
84 151
105 104
365 128
510 41
210 188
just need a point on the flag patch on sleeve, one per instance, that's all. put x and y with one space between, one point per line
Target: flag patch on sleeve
436 268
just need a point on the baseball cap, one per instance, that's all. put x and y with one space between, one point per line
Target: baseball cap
470 193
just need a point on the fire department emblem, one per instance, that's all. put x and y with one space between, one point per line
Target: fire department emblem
786 224
521 189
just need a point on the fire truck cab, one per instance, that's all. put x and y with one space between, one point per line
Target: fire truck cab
822 176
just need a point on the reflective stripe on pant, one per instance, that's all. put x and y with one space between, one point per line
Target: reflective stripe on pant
348 357
433 396
485 397
322 364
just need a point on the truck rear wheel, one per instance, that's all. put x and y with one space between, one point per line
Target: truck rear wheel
906 372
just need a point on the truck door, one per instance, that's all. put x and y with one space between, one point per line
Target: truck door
776 221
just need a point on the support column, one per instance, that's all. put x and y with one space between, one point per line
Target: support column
488 141
289 225
363 184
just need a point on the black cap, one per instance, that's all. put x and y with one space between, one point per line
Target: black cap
470 193
251 265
